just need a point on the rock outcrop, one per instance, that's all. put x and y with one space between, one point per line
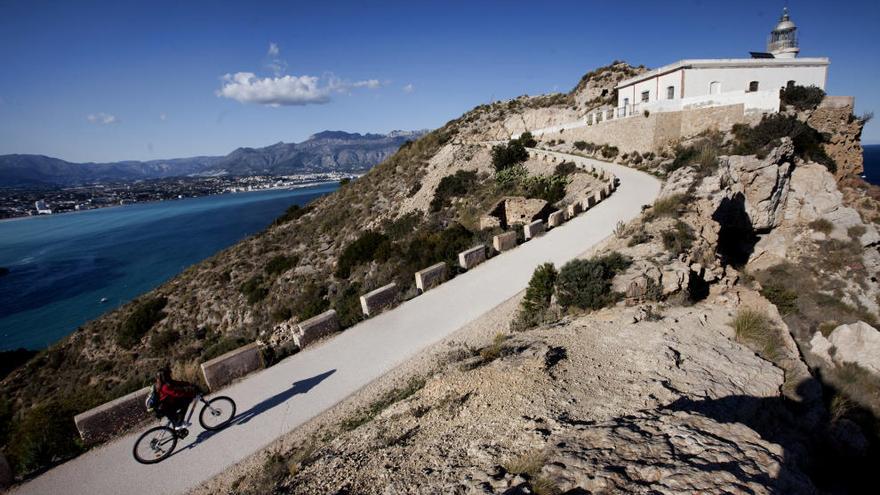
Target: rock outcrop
764 183
857 343
834 118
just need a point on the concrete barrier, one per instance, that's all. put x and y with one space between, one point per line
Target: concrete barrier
316 327
534 229
504 242
555 219
431 277
600 195
573 210
113 417
374 301
472 257
222 370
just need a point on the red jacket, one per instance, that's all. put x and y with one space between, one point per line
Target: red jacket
175 391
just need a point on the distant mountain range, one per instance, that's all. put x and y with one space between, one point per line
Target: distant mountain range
326 151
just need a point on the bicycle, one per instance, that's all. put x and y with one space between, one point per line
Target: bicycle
157 443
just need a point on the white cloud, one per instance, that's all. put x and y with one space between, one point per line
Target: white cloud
274 51
246 87
102 118
409 88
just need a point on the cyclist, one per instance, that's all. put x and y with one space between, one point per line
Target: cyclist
171 398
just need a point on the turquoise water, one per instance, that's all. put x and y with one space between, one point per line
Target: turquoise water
872 163
61 266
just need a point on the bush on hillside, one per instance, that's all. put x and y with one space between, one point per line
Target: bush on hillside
292 213
428 248
362 250
540 290
254 290
586 284
801 97
280 264
550 188
565 168
312 301
507 155
458 184
511 178
679 239
764 136
140 321
527 140
703 156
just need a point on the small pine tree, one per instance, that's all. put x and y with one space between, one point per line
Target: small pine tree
540 290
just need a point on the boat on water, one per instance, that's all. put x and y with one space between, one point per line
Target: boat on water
103 300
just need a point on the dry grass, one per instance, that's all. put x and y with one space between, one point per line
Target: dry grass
757 331
670 206
494 350
529 463
822 225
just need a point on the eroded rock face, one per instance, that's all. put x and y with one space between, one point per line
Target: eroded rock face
844 134
764 183
597 404
519 211
856 343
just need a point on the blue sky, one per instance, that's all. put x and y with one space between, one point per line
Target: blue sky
114 80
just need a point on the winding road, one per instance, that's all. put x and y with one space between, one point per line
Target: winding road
276 400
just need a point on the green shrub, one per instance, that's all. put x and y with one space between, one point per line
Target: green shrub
540 289
280 264
586 284
784 299
348 306
550 188
140 321
451 186
311 301
640 236
764 136
679 239
362 250
703 155
254 290
427 248
162 340
292 213
608 151
801 97
506 156
565 168
510 178
527 140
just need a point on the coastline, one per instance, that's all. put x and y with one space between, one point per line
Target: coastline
225 193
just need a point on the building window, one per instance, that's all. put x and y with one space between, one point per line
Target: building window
753 86
645 96
670 93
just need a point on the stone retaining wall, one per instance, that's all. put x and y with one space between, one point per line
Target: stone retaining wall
472 257
431 277
223 370
504 242
316 327
374 301
113 417
534 229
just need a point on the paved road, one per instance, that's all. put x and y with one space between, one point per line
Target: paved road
277 400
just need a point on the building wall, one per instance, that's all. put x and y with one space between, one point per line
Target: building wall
651 133
697 80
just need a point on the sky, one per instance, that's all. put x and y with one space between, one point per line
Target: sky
117 80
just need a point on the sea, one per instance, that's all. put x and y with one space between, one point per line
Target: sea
67 269
872 163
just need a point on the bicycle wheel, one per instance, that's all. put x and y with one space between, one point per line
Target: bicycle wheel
217 413
155 445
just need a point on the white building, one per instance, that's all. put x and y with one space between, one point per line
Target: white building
754 82
42 208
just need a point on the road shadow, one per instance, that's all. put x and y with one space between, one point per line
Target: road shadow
298 387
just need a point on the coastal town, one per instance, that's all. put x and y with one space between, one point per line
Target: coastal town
45 201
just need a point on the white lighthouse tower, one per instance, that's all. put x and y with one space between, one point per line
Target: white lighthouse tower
783 41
